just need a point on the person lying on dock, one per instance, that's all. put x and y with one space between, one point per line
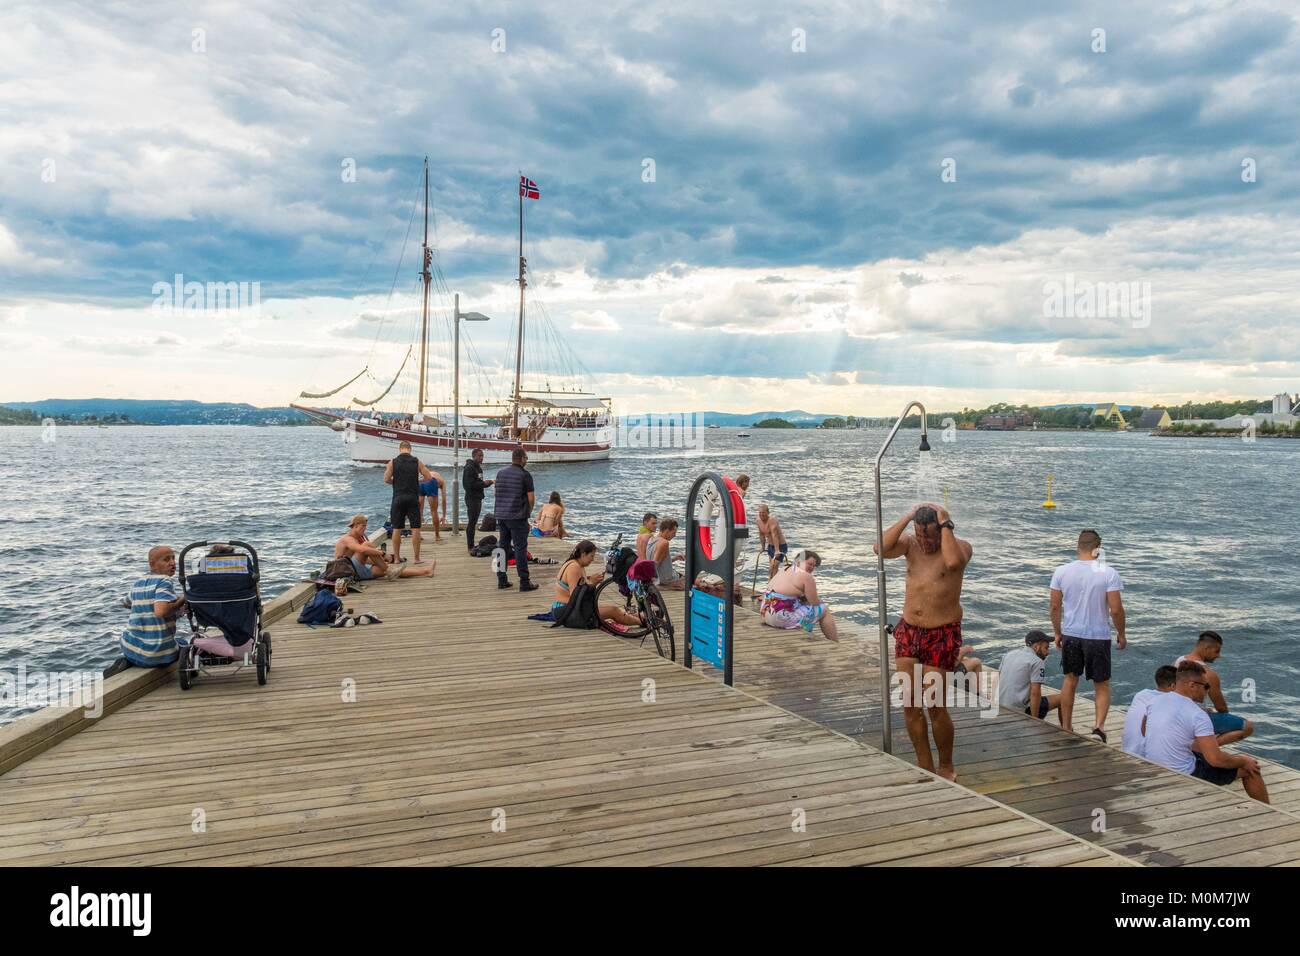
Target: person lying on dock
1021 677
1179 735
1229 727
1133 742
791 599
771 539
368 560
927 637
1084 600
657 550
550 519
572 573
649 528
434 490
150 636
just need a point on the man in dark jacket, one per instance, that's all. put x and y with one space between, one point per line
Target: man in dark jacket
513 505
474 485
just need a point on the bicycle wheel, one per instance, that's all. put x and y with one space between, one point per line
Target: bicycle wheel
660 624
616 598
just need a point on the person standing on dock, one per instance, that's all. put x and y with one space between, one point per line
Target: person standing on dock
404 473
434 490
927 638
514 503
1085 599
474 485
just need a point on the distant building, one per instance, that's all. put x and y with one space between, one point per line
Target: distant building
1007 421
1154 418
1110 413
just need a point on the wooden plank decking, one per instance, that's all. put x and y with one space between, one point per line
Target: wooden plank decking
466 714
1152 815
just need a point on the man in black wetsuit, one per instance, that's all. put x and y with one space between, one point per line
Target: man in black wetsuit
404 473
474 485
514 503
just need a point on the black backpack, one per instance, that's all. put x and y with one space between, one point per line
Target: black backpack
581 612
485 547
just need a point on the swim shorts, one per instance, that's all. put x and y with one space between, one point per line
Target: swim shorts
1087 656
771 550
1227 723
783 611
1219 776
539 533
429 488
364 571
932 646
405 510
1043 708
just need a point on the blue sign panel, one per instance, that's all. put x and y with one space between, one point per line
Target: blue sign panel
709 628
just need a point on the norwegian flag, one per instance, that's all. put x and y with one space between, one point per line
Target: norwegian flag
528 189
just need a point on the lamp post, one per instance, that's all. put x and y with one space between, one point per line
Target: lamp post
455 425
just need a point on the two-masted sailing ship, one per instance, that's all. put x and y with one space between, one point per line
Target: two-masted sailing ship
550 425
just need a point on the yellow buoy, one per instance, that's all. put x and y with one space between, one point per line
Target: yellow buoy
1049 503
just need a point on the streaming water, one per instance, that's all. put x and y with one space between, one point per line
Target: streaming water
1202 530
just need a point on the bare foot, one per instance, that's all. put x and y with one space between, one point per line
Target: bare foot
948 773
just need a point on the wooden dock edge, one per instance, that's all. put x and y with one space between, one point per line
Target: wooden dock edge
34 733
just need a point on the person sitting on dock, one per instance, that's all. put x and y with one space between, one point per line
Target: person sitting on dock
771 539
368 560
550 519
791 599
1021 677
434 490
649 528
1229 727
927 637
150 636
404 473
1133 742
657 550
571 574
1084 600
1180 736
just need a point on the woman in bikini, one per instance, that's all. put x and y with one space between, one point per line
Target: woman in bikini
571 574
550 520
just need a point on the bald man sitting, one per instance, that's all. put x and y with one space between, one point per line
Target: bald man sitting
150 636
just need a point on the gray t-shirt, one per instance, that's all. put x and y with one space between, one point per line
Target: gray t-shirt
1019 669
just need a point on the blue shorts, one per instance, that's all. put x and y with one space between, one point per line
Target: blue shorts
1043 708
771 550
429 488
1227 723
364 571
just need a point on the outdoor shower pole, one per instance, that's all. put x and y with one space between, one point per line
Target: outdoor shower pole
886 735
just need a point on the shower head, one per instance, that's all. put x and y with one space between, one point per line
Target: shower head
925 442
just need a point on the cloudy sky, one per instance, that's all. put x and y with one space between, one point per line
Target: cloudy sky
833 206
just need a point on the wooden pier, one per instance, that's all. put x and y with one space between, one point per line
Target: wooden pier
459 732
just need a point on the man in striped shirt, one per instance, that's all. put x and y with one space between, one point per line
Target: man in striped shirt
150 636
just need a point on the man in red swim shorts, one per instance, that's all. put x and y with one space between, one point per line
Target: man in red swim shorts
927 640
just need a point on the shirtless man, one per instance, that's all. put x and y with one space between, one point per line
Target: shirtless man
1228 727
927 639
771 539
791 599
368 560
649 530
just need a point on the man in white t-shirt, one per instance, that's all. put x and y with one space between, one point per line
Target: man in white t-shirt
1179 736
1085 599
1134 743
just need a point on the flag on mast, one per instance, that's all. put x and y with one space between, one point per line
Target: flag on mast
528 189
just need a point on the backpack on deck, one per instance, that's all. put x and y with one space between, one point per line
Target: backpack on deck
581 612
485 547
489 523
323 608
337 568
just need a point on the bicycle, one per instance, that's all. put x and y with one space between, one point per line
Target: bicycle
643 596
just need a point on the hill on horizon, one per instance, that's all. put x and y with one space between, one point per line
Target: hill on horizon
163 411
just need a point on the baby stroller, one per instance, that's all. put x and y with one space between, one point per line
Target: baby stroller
224 608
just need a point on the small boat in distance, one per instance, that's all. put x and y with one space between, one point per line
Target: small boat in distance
550 425
713 426
743 435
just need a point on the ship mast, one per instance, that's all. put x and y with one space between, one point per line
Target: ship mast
519 346
427 278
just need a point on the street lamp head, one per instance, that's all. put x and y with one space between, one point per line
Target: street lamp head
474 317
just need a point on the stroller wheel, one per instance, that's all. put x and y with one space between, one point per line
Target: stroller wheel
262 664
266 639
183 668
